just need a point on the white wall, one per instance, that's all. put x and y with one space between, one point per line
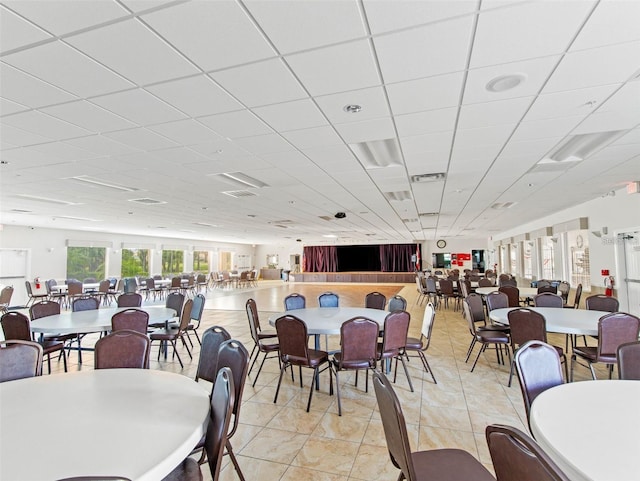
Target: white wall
456 246
283 251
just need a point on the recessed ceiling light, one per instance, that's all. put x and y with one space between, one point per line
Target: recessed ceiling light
352 108
332 236
4 162
503 83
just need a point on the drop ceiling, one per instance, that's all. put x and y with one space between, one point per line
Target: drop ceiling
153 100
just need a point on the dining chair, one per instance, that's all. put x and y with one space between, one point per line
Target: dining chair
434 464
358 350
5 298
485 282
551 289
129 299
431 289
576 299
132 319
222 402
485 337
421 344
81 303
422 291
548 299
600 302
45 309
212 338
172 334
20 359
528 325
175 301
54 294
294 301
124 348
539 368
394 340
16 326
513 294
196 317
102 294
563 290
397 303
375 300
260 339
33 297
294 351
447 292
328 299
613 330
517 457
75 290
629 361
496 300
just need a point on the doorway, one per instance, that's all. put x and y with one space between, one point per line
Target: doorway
629 282
477 259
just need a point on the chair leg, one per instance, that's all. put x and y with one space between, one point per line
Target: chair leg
425 363
470 350
338 393
406 371
484 346
64 359
282 369
313 382
175 351
234 460
260 368
253 351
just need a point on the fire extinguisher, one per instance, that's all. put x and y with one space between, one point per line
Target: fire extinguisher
609 283
36 281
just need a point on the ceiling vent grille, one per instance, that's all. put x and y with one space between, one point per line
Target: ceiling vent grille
239 193
148 201
502 205
435 177
400 195
377 154
102 183
240 180
428 214
47 200
22 211
326 217
579 147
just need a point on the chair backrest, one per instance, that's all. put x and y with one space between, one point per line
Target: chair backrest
615 329
19 359
396 327
185 315
496 300
539 368
526 325
198 307
104 285
122 349
130 285
397 303
576 300
48 284
176 281
294 301
375 300
430 284
234 355
394 425
485 282
548 299
150 282
359 340
27 286
293 339
517 457
629 361
5 295
208 361
175 301
446 287
507 282
15 325
550 288
465 287
85 304
466 312
563 289
599 302
254 319
130 319
74 288
477 308
513 293
328 299
222 402
44 309
130 299
427 323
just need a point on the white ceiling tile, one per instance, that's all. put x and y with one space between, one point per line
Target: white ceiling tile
419 144
384 16
186 132
599 66
27 90
101 145
493 113
609 120
314 137
198 28
299 114
20 137
426 122
541 28
632 137
84 77
613 21
377 129
261 83
569 103
490 135
425 94
528 148
133 51
89 116
542 129
45 125
624 100
66 152
141 139
372 100
139 106
264 144
8 107
16 32
64 16
181 156
293 25
425 57
196 96
233 125
220 150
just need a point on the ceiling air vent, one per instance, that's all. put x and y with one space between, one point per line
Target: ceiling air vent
326 217
428 214
47 200
502 205
400 195
148 201
377 154
22 211
239 193
435 177
578 147
240 180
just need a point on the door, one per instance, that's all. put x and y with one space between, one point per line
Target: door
631 282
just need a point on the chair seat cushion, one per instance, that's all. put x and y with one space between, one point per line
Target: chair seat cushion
164 334
591 354
317 357
264 347
187 470
414 344
449 465
267 335
351 364
489 335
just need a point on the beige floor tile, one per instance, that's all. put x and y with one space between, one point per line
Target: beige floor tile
296 420
329 455
253 468
275 445
295 473
346 427
374 464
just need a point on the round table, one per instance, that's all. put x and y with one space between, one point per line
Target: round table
590 429
135 423
524 291
564 321
328 320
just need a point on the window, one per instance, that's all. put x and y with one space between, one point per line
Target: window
86 262
547 246
201 261
513 253
172 262
224 261
135 262
579 265
527 261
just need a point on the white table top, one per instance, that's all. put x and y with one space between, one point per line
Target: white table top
328 320
524 291
137 423
95 320
590 429
565 321
65 287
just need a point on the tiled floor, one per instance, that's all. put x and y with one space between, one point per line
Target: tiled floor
283 442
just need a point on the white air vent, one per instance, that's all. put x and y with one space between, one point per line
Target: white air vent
579 147
281 226
21 211
147 201
47 200
102 183
400 195
428 214
550 167
286 221
326 217
239 193
502 205
409 220
241 180
377 154
435 177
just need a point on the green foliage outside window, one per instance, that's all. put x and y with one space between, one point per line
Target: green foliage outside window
135 262
84 262
172 262
201 261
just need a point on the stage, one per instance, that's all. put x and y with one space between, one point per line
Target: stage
363 276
